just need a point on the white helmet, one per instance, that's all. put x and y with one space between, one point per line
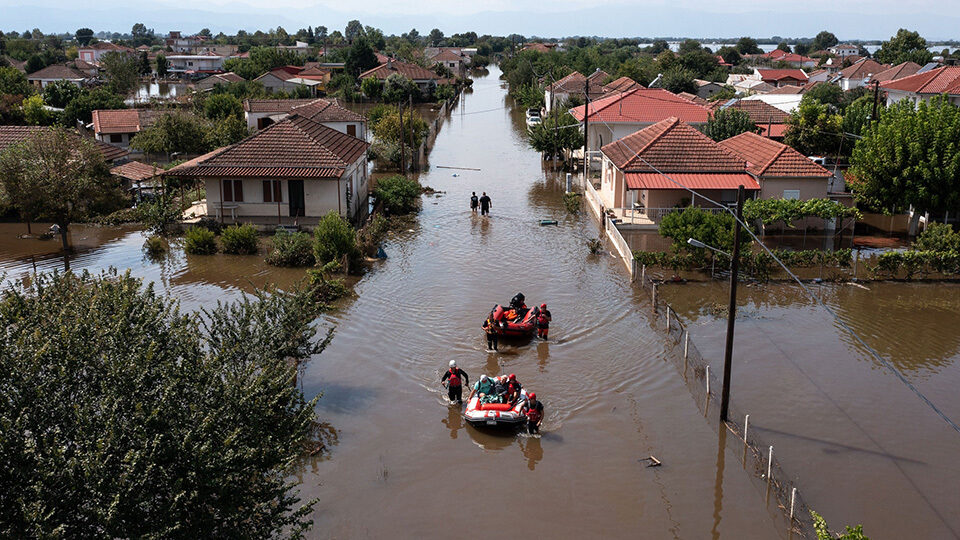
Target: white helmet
453 363
483 377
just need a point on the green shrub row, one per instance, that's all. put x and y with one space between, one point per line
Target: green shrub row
758 264
236 239
910 264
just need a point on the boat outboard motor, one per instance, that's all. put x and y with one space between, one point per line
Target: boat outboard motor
517 301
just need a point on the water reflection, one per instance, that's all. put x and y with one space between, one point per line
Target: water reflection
454 420
543 353
532 450
491 438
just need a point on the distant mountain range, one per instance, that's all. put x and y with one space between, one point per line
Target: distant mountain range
608 21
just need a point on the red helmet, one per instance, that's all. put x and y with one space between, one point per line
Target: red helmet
532 395
512 377
543 306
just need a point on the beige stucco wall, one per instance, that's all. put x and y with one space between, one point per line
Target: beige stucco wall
810 188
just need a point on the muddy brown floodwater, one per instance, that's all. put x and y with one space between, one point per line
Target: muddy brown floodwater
403 462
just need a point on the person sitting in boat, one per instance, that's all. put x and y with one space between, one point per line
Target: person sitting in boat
500 389
482 388
513 389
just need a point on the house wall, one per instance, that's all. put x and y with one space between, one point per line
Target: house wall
612 185
198 63
42 83
895 96
124 138
809 188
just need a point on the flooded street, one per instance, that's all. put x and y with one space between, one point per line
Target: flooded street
863 446
403 462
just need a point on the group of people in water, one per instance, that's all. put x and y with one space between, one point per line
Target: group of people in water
483 202
502 389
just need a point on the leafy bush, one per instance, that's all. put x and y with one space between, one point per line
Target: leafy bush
572 201
398 194
200 241
239 239
124 215
938 237
155 246
324 290
789 210
371 235
159 214
291 249
714 230
210 224
333 238
595 245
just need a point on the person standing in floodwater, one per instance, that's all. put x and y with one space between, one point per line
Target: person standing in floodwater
485 204
474 201
455 378
490 327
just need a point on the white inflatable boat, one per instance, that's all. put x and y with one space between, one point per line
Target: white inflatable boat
494 414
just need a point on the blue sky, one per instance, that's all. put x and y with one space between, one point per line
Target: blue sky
848 19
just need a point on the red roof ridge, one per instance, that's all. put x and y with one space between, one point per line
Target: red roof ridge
670 124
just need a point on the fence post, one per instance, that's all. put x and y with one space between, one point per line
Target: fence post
668 319
746 427
707 377
654 297
793 499
769 463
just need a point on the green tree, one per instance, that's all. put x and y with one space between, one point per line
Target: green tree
173 132
856 117
227 131
34 63
729 122
162 66
398 88
84 35
371 87
220 106
813 129
435 37
911 158
147 422
361 57
677 79
144 64
748 45
14 83
823 532
123 72
397 194
688 46
828 94
784 46
353 30
388 127
905 46
715 230
63 174
823 41
730 55
556 134
35 113
334 238
81 107
59 93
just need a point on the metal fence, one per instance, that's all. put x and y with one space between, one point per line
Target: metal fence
703 380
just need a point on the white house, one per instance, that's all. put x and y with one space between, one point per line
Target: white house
858 74
288 79
190 64
924 85
294 171
844 51
92 54
425 79
118 126
261 113
56 72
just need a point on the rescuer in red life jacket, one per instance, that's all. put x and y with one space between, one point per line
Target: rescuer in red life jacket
543 322
513 389
457 377
534 412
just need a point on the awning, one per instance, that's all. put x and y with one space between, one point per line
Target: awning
651 180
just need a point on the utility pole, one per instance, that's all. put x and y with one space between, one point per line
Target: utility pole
403 162
417 166
876 99
732 311
586 130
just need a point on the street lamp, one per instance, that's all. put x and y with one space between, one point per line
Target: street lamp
698 244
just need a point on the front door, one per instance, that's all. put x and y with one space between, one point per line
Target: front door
295 197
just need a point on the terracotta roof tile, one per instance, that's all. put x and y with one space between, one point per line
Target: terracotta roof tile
642 105
767 158
697 181
136 171
621 85
898 71
273 105
322 110
760 112
296 147
446 55
410 71
862 69
123 120
781 74
10 135
57 71
672 146
943 80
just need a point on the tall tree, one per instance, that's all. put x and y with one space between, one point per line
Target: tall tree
824 40
162 66
911 158
60 93
360 57
123 71
784 46
748 45
436 37
63 174
814 129
727 123
353 30
905 46
197 433
144 64
84 35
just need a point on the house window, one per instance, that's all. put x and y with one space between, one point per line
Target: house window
271 191
791 194
116 138
352 130
233 191
190 63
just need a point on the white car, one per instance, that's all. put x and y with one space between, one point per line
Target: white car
533 121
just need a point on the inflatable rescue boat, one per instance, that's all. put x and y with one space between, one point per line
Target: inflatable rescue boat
494 414
515 322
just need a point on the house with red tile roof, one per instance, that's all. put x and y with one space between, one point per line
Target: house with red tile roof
289 79
705 89
781 171
781 77
92 54
858 74
645 173
621 85
294 171
793 59
218 78
771 121
138 177
10 135
618 115
898 71
540 47
451 59
425 79
57 72
261 113
118 126
924 85
559 92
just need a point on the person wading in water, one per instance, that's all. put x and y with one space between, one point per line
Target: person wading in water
474 201
485 204
543 322
455 378
534 412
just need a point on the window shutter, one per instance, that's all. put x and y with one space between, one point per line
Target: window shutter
277 194
267 193
238 190
227 190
